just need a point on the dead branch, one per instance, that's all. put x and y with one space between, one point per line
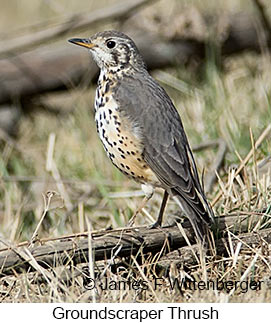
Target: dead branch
129 241
70 25
52 69
41 71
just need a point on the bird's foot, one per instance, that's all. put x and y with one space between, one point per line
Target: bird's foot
155 225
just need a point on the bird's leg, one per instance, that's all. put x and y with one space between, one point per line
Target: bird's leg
159 220
148 191
140 207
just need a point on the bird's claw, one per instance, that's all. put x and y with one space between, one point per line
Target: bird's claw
155 225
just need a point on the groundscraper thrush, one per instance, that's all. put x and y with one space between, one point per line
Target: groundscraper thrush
141 130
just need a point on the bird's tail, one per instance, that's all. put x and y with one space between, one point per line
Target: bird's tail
194 203
198 216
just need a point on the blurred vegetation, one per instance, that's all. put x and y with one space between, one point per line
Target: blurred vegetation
225 102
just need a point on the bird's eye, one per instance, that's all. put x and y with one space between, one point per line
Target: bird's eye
110 44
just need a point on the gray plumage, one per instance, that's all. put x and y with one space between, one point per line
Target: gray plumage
166 148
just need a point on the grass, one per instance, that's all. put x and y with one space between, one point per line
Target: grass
232 103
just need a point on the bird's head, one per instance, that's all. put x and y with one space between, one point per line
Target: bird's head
112 50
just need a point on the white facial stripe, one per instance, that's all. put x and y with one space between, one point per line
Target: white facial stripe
100 56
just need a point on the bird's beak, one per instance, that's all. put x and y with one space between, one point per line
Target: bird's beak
82 42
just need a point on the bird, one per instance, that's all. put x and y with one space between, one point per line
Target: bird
141 130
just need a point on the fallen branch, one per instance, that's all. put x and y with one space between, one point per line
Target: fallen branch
65 67
129 241
70 25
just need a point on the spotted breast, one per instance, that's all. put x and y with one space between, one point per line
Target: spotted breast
120 139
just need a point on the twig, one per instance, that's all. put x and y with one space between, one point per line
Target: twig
69 236
245 274
145 278
217 164
8 292
262 137
48 276
52 168
47 198
206 145
91 259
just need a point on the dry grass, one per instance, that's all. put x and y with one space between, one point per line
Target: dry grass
63 154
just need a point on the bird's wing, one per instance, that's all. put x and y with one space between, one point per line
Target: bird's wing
166 149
